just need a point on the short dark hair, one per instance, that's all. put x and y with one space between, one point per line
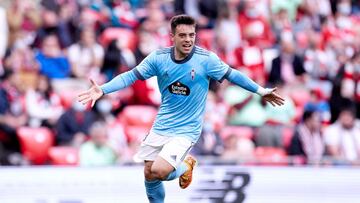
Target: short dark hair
308 114
181 19
348 106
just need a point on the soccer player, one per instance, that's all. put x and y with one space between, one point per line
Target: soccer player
183 72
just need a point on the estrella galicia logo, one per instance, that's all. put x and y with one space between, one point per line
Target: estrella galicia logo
179 89
221 185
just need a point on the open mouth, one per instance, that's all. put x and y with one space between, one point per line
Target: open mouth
187 46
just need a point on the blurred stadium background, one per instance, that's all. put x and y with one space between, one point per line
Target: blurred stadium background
52 149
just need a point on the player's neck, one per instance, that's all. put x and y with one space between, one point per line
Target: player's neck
179 56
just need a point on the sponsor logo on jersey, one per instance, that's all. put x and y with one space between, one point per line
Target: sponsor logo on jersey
179 89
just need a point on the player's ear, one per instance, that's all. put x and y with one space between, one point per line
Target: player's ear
172 35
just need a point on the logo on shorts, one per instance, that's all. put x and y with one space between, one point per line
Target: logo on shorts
173 157
179 89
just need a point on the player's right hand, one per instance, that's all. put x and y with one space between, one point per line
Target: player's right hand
92 94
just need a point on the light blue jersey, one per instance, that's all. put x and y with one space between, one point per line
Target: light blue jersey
183 85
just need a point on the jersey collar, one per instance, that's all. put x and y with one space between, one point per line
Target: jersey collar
187 58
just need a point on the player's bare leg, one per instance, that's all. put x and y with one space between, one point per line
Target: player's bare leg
155 172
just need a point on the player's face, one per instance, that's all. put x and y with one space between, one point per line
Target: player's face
184 40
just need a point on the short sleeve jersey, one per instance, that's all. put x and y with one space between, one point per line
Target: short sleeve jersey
184 86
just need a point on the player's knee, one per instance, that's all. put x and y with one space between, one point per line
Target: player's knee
148 174
159 174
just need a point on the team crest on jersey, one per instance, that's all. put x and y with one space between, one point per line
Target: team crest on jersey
179 89
192 73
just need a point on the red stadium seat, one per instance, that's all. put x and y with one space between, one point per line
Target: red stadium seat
138 115
64 156
271 156
35 143
125 35
239 131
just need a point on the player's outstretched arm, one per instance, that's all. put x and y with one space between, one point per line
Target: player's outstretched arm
91 95
119 82
269 94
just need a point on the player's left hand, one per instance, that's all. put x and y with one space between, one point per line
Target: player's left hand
273 98
91 95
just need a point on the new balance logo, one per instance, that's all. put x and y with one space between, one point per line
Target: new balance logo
221 185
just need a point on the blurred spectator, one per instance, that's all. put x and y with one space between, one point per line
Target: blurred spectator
42 104
96 151
342 15
12 115
114 62
271 133
242 103
334 50
315 58
319 63
308 18
21 58
307 139
145 45
250 59
355 7
281 22
115 130
57 20
255 27
73 125
256 36
291 6
52 61
209 144
118 12
227 31
155 24
342 138
23 19
345 87
319 103
288 66
204 11
237 149
86 56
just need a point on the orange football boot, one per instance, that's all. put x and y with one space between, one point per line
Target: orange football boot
186 178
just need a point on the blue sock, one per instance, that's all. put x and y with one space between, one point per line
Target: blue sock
178 172
155 191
